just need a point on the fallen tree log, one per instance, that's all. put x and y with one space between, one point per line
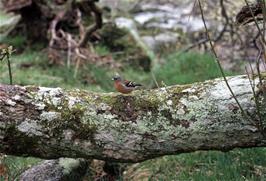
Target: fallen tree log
52 123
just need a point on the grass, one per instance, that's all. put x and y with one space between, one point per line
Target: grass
237 165
31 68
240 164
16 166
18 41
188 68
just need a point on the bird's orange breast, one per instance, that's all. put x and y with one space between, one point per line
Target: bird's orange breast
122 88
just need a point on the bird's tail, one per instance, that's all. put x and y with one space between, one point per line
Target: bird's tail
137 85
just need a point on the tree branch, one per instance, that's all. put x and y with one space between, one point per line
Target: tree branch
52 122
91 29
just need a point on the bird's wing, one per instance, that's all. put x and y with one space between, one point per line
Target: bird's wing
131 84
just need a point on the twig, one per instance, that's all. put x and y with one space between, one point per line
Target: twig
154 79
53 26
194 6
259 125
77 67
202 41
252 72
9 68
221 33
98 23
68 50
258 71
264 17
6 53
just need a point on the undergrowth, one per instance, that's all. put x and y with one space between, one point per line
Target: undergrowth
187 68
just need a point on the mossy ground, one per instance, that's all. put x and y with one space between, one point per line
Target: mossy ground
30 67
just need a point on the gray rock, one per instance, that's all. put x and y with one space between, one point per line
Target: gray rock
162 39
8 21
168 16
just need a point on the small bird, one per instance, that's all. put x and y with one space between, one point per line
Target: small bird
124 86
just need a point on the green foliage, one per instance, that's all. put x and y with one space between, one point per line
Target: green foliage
187 68
16 165
102 77
17 41
31 68
102 50
239 164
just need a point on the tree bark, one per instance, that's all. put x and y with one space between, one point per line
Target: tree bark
51 122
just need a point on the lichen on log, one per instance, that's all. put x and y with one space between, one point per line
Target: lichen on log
53 123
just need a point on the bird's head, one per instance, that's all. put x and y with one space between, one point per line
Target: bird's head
117 78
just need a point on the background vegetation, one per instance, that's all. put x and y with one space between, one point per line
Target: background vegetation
31 66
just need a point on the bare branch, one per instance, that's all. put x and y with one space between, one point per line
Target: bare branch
98 23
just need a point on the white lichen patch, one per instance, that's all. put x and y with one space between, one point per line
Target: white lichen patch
56 101
30 127
189 90
46 96
16 98
68 164
184 101
50 91
10 102
240 85
104 107
109 116
193 97
151 124
49 94
104 119
163 89
40 106
68 134
161 93
50 116
169 102
180 111
72 101
89 117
